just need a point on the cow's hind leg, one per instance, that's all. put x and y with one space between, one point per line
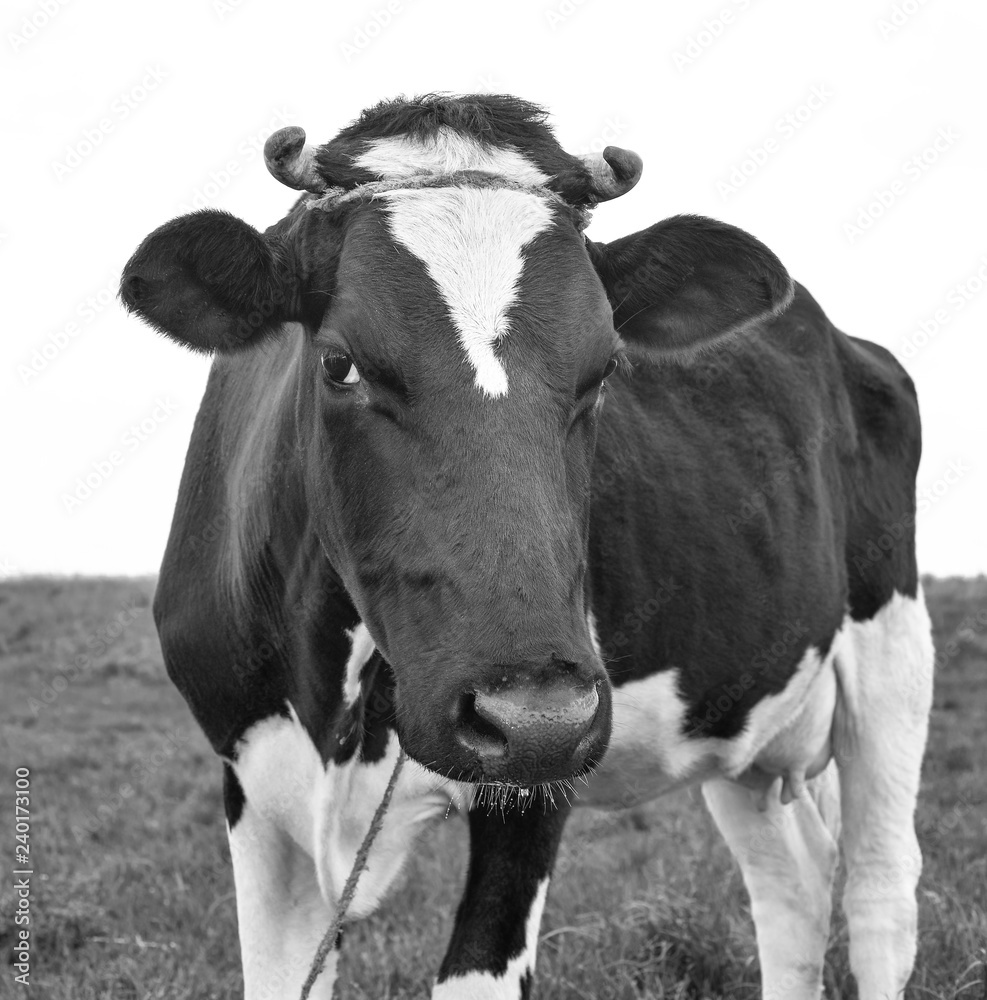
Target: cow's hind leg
788 856
492 952
885 680
281 914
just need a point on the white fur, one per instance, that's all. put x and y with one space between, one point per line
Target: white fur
788 857
447 152
649 755
361 649
344 803
296 841
486 986
471 241
879 733
281 914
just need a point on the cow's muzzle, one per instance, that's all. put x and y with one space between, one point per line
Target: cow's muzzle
527 734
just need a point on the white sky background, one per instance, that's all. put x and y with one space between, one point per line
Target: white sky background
225 74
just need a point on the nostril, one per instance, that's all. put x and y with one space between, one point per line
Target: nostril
478 733
133 290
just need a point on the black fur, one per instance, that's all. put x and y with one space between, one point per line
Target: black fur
233 797
689 281
496 120
212 282
510 853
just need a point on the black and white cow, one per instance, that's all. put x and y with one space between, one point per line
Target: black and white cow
535 508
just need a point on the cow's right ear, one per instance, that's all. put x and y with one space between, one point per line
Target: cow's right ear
687 282
212 282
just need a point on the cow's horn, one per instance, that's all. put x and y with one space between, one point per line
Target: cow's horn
614 171
292 161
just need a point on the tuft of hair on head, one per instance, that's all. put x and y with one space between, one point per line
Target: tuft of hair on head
496 119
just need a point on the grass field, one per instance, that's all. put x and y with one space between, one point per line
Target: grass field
133 892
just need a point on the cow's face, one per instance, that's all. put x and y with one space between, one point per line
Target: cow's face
458 372
458 336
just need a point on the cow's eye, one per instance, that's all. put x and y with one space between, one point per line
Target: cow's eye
610 369
339 368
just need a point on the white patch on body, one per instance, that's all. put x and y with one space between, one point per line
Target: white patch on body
786 734
472 242
281 915
507 986
879 734
298 836
447 152
361 649
594 634
345 801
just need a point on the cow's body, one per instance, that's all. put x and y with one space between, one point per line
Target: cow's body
749 632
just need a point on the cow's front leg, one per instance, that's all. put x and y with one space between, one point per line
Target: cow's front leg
492 952
281 914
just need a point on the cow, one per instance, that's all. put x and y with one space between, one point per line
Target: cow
564 522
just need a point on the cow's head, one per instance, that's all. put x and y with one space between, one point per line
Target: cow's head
457 337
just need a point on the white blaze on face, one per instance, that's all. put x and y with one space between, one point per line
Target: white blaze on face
472 241
446 152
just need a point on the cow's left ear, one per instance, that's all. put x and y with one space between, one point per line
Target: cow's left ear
688 281
212 282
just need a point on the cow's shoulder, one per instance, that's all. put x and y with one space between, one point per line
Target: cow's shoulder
245 594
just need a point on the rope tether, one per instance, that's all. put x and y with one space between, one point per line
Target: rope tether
349 890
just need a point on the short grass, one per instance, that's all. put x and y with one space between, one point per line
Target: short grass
133 894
